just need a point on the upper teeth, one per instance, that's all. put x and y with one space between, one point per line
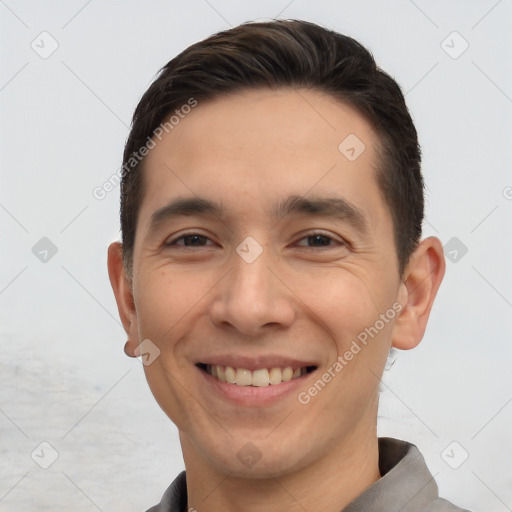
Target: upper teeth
261 377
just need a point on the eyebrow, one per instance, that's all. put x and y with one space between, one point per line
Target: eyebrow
335 207
184 207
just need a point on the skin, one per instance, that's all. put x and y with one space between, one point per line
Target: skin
298 299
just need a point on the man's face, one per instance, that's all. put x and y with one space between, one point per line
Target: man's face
295 262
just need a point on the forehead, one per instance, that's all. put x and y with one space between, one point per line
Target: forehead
262 146
280 120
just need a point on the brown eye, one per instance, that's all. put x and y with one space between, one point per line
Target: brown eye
190 240
318 240
194 240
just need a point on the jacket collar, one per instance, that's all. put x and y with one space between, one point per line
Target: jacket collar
406 484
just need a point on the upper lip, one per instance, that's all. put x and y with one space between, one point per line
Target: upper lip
256 362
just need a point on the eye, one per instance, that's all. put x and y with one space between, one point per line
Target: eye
189 240
318 240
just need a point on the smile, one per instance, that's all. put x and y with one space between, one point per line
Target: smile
258 378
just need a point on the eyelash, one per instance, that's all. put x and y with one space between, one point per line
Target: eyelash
315 234
182 237
309 235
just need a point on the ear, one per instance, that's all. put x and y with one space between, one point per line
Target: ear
124 297
418 290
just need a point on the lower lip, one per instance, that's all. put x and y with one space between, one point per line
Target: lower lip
254 395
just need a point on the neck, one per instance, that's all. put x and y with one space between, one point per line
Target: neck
328 485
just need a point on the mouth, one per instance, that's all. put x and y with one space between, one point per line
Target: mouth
260 377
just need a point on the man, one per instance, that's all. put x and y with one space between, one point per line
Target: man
271 211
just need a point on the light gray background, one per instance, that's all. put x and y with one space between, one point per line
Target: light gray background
64 120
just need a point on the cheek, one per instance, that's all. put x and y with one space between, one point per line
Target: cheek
166 302
357 313
345 302
168 305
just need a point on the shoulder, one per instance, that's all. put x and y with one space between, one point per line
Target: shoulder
174 498
441 505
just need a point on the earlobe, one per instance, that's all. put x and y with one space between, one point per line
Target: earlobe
124 296
419 287
129 348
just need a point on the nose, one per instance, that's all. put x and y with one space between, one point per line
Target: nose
253 299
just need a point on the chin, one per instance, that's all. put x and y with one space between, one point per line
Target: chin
258 458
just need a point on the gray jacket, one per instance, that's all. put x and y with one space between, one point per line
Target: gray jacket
406 485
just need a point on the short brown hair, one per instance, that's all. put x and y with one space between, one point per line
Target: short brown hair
286 53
